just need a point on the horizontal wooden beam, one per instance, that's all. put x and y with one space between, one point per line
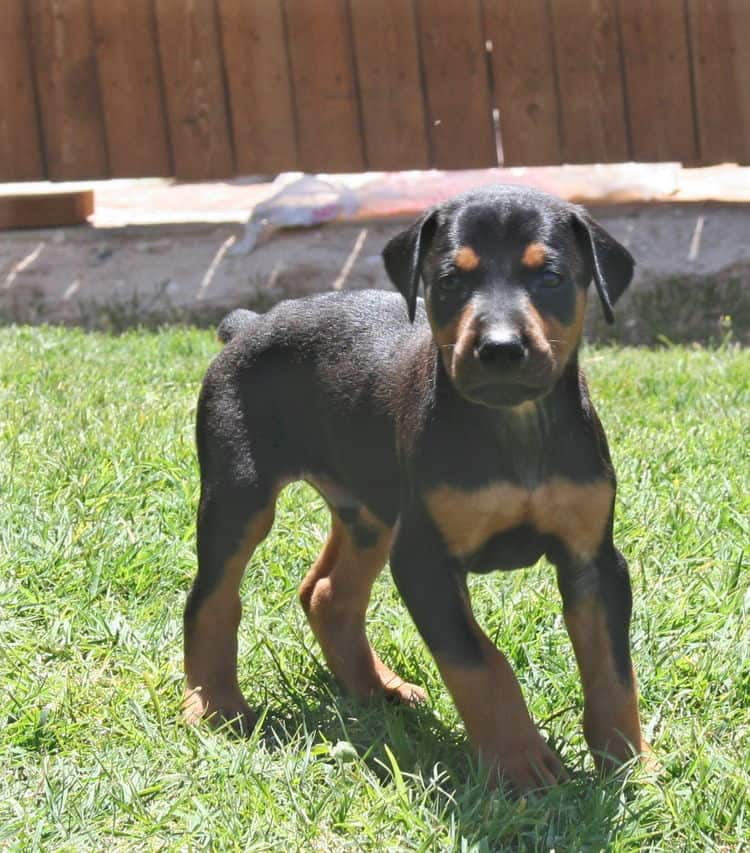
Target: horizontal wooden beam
46 210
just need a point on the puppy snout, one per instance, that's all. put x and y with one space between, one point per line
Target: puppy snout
502 349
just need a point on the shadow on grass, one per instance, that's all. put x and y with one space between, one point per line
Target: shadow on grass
584 812
414 734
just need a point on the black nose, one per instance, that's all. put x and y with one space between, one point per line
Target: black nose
502 350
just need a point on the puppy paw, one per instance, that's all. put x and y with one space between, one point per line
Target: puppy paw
218 710
404 692
649 762
529 766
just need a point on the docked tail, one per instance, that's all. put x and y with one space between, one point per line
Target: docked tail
234 323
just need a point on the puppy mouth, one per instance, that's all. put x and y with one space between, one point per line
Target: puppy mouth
498 395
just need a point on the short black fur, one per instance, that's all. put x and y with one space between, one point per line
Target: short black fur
385 408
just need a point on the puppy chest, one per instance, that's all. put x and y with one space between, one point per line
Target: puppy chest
515 518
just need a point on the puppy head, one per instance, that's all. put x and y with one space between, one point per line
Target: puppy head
506 273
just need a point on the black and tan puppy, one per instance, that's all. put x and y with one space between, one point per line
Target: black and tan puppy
454 435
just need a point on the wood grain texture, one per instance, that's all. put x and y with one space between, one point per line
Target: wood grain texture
720 38
260 89
204 89
462 134
49 210
20 142
524 72
191 65
325 87
592 104
657 73
739 15
130 87
68 89
387 58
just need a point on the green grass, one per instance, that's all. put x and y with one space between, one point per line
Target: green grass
98 488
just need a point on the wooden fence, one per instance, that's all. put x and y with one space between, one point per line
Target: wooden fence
205 89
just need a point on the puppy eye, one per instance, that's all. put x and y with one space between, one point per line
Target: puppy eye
550 278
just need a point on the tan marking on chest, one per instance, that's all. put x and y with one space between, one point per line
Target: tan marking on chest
534 256
467 519
575 513
466 259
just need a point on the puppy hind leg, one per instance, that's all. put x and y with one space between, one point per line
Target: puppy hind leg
334 596
232 521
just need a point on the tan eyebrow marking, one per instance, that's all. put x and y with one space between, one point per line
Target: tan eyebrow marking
466 259
534 255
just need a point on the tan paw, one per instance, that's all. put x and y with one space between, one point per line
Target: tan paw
617 751
399 690
649 762
218 710
530 765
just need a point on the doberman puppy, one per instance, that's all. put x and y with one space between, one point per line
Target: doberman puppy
455 434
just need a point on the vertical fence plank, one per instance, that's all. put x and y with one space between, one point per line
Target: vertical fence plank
191 66
739 35
720 37
20 143
325 86
387 57
257 69
130 86
329 85
65 66
592 104
524 75
657 73
462 134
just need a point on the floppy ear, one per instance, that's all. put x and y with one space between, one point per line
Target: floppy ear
611 263
403 256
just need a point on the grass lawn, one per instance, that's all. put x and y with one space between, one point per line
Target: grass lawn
98 489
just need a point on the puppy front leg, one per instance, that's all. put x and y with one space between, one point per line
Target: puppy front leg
478 676
597 604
